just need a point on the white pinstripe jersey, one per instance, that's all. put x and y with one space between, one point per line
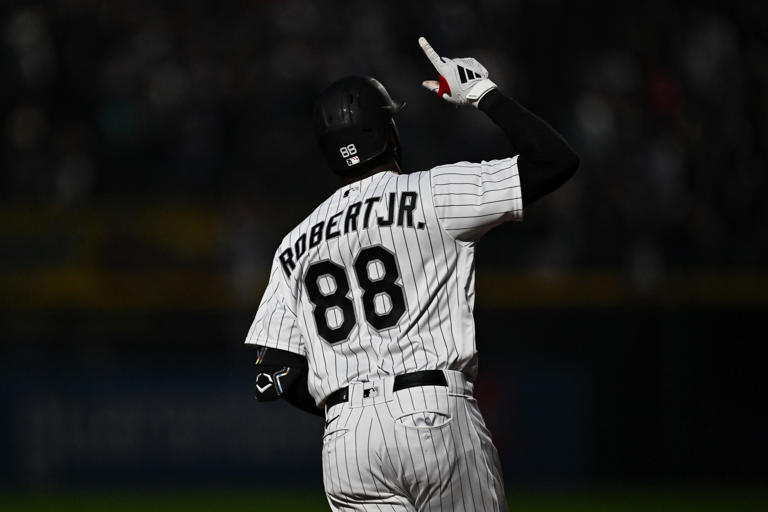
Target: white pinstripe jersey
379 279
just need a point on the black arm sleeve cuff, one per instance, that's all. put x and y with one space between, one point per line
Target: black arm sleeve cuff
283 374
545 160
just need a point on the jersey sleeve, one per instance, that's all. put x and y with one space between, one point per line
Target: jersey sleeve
471 198
276 324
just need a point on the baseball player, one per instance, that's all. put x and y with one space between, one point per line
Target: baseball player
367 317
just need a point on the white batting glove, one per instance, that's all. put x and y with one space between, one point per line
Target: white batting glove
460 81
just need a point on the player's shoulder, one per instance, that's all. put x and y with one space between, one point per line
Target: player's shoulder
409 180
382 183
466 167
318 212
297 241
462 173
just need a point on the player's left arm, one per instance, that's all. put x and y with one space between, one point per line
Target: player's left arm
283 374
545 160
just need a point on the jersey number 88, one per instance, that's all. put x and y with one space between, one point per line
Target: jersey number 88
382 289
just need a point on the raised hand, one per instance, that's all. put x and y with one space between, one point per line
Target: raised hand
461 81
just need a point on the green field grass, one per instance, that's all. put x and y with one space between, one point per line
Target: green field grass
188 500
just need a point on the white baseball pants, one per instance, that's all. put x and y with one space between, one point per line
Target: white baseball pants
418 449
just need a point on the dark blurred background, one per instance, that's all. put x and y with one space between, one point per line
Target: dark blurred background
153 155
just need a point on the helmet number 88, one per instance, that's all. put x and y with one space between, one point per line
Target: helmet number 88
348 150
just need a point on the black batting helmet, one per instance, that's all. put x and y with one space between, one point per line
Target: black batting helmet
353 123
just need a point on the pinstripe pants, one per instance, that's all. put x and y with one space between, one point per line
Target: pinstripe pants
418 449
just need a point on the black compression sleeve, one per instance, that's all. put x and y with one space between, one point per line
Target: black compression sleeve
283 374
546 161
299 397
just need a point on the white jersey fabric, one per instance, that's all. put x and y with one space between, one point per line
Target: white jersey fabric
379 279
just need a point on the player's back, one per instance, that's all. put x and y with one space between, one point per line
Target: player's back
378 279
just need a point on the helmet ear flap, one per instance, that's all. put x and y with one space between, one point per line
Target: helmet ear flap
392 151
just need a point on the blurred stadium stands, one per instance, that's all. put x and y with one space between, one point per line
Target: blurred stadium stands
152 156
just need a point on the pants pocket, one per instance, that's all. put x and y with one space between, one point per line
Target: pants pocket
424 409
333 435
424 419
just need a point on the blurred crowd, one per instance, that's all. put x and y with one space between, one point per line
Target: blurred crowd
209 103
153 154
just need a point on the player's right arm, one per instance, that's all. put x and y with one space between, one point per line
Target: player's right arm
281 362
545 161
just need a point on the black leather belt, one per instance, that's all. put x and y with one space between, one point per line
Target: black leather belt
404 381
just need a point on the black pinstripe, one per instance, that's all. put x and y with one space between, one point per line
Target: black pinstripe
456 204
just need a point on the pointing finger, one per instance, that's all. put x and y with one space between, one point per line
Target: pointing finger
431 85
431 54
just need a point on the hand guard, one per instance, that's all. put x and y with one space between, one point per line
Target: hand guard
460 81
